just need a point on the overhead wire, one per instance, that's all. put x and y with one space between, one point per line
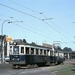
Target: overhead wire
61 28
23 6
32 31
58 26
20 11
29 26
45 17
37 11
42 19
29 29
58 31
34 17
54 23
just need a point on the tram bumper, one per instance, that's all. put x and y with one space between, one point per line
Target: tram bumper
20 62
17 61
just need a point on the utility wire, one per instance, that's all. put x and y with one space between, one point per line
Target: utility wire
60 28
29 29
55 29
32 31
36 18
39 13
29 26
55 24
20 11
23 6
33 11
58 31
36 12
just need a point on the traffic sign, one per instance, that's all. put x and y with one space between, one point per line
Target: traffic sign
8 39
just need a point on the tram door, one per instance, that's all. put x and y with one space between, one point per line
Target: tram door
48 57
22 53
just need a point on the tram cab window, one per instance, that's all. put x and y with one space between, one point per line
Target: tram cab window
27 50
22 50
32 50
16 50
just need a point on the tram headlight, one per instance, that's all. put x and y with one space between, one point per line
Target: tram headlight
15 43
18 59
13 59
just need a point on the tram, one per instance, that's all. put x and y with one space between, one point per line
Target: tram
30 54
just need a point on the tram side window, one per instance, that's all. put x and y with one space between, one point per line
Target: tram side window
22 50
44 52
55 53
47 52
41 51
51 53
32 50
10 46
27 50
37 51
58 53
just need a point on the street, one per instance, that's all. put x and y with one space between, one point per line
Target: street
5 69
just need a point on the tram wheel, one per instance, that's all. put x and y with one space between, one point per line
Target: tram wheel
35 66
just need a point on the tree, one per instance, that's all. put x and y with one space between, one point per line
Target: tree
67 49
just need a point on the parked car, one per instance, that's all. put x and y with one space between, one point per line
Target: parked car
7 59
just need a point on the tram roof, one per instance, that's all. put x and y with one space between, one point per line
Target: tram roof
25 43
20 42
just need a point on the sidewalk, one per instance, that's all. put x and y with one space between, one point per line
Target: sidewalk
72 61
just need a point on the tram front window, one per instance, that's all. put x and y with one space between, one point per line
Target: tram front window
16 50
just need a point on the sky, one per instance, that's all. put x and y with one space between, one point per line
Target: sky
39 21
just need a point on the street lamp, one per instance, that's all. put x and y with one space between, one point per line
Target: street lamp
8 22
3 24
3 37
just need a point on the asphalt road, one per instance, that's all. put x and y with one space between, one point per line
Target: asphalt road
5 69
